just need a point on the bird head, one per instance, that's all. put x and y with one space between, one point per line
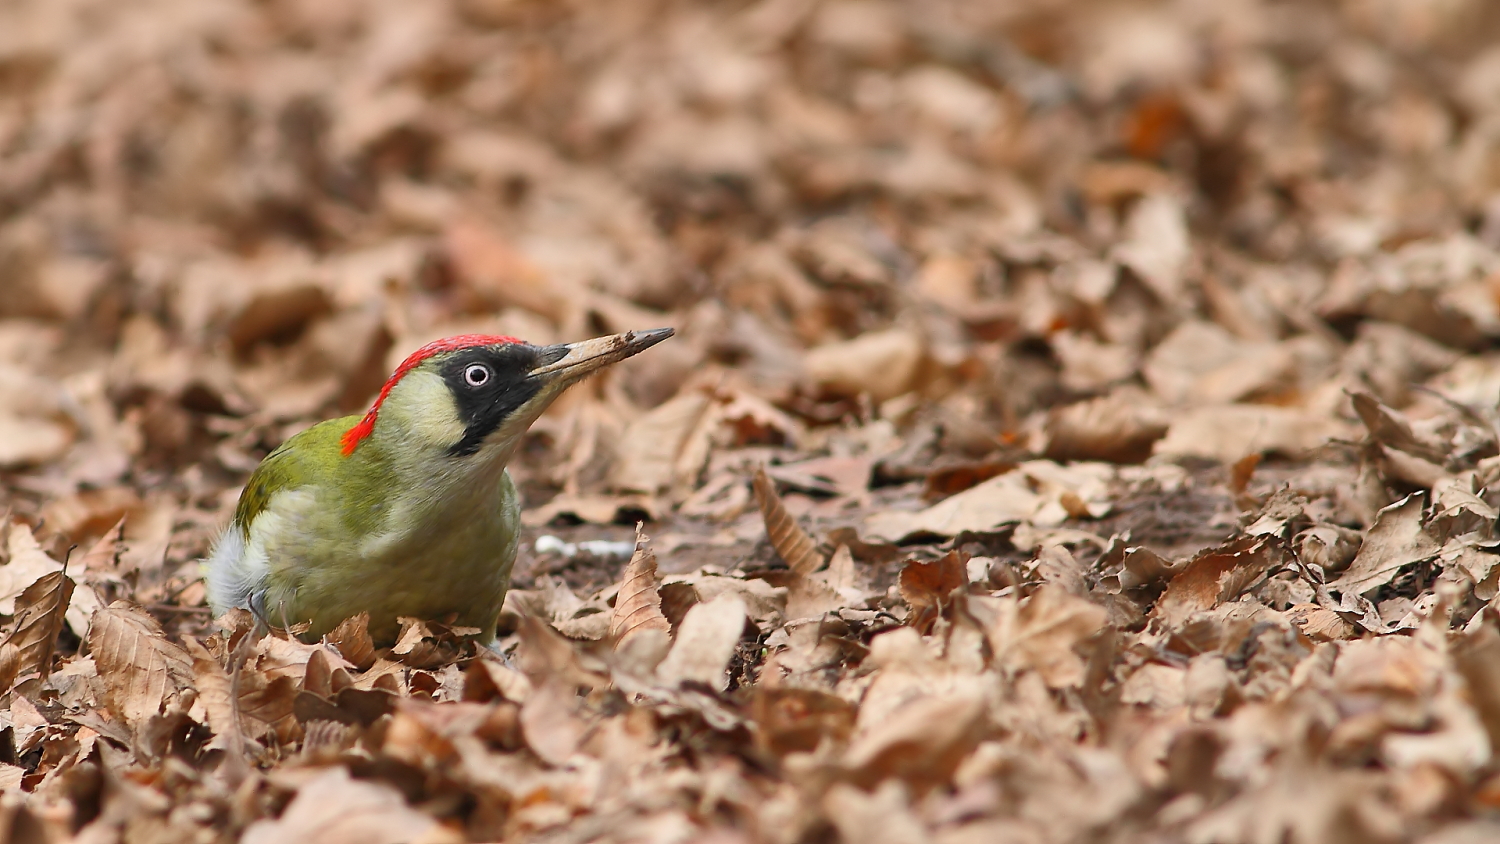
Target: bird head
473 396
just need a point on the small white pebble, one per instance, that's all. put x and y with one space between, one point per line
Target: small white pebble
979 569
606 548
549 544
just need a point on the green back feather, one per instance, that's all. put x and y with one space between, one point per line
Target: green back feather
316 453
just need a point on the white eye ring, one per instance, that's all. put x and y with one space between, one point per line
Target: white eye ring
476 375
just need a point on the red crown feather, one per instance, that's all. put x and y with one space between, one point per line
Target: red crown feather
366 426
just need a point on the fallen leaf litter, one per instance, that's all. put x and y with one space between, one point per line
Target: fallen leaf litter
1082 424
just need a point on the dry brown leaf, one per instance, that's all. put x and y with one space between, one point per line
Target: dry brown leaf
40 613
352 639
1125 566
1477 658
951 480
882 816
27 563
496 273
1391 430
1202 363
550 723
275 310
1040 492
104 554
595 509
266 703
1121 428
882 364
140 668
430 645
637 603
489 677
926 585
1330 547
1395 541
1321 624
998 501
825 475
1242 471
89 513
1213 577
10 666
1044 633
31 441
10 777
791 719
828 591
706 640
665 449
949 280
1227 433
1156 244
216 696
335 808
792 543
921 742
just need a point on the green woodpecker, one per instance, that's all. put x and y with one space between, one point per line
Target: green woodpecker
407 510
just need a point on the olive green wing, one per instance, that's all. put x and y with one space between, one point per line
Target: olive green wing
289 466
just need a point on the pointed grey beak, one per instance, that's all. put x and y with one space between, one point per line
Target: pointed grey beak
572 361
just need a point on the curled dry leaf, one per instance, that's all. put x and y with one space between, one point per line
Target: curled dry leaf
1396 540
1214 577
141 670
791 542
10 666
638 603
1391 430
213 686
220 709
1044 632
926 585
352 639
488 678
428 644
1330 547
1321 624
40 613
1125 566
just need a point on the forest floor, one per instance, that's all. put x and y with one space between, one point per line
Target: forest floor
1081 424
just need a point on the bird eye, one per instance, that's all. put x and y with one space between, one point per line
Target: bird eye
476 375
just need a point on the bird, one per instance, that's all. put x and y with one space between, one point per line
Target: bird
407 510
